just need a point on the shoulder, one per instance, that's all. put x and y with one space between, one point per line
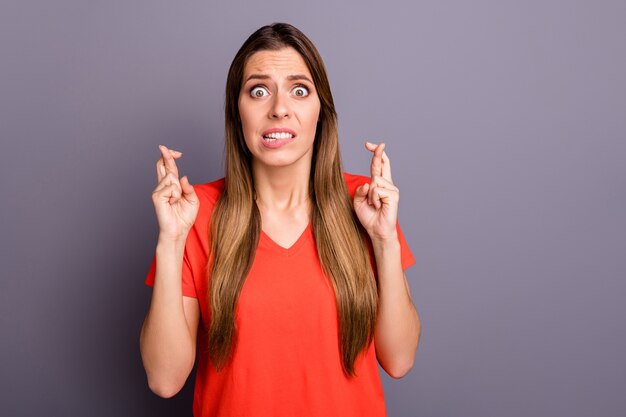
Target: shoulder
208 194
353 181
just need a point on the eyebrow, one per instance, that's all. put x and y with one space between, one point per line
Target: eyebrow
289 77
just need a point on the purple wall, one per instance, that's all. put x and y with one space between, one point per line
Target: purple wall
506 128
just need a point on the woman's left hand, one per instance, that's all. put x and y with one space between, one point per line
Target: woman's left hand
376 203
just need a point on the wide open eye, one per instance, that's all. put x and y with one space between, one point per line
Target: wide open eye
300 91
258 91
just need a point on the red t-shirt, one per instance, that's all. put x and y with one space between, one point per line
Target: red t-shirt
287 359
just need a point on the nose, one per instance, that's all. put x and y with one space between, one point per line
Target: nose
280 107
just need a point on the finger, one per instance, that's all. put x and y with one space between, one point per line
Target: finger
168 180
160 170
174 153
175 193
374 198
376 167
361 193
380 181
386 173
384 196
170 193
186 187
370 146
168 160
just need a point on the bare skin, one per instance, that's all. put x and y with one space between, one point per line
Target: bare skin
278 92
275 94
169 332
398 327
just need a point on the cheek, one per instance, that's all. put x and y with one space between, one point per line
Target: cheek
314 115
309 112
246 118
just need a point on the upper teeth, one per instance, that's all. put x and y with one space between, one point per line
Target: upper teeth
281 135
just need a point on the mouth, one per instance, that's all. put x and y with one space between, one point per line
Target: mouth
272 135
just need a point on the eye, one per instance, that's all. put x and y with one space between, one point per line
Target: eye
258 91
301 91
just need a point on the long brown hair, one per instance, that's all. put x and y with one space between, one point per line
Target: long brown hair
236 220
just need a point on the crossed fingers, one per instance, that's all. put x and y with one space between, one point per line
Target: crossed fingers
167 163
166 169
381 166
381 188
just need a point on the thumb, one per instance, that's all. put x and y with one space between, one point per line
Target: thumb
361 192
186 187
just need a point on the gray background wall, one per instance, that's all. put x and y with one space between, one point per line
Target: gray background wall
506 127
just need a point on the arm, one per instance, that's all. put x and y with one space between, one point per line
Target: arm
397 328
168 335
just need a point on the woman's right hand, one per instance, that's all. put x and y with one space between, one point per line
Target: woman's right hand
175 201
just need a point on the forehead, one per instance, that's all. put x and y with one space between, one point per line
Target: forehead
285 61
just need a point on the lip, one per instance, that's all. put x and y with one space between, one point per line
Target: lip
279 130
276 143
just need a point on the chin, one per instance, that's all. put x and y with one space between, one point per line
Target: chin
283 161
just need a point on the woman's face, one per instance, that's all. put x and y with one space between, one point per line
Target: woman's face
279 108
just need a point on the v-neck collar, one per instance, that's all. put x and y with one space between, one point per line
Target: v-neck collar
290 251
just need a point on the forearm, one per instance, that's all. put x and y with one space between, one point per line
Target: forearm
166 344
397 322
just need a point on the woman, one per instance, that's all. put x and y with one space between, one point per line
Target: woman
290 268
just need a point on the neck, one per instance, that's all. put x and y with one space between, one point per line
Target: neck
282 188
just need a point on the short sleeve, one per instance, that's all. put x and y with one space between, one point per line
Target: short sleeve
196 253
188 285
406 256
